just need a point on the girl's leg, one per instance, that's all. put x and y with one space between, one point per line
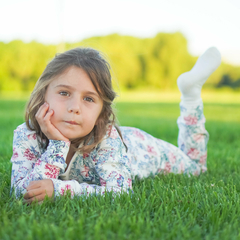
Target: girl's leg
149 155
193 137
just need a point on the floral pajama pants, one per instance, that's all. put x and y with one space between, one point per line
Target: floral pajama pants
149 155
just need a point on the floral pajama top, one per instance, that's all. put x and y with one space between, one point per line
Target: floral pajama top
110 166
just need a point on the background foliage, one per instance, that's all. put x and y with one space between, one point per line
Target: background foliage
136 63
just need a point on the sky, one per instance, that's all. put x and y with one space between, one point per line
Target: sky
204 23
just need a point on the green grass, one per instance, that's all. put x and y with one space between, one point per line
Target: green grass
164 207
209 96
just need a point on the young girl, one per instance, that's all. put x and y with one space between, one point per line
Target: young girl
70 140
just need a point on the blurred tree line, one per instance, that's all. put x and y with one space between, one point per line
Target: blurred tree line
136 62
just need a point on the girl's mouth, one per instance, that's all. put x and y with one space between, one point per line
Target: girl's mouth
72 122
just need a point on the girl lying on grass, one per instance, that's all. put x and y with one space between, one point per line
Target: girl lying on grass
70 140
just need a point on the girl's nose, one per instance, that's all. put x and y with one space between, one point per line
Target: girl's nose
74 107
74 110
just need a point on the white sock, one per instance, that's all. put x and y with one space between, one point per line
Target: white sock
190 83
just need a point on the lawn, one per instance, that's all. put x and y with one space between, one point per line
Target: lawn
164 207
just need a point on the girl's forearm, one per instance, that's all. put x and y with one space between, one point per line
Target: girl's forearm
80 189
27 167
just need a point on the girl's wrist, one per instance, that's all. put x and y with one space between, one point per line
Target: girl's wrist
58 142
56 153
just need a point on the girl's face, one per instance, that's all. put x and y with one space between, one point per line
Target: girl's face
75 102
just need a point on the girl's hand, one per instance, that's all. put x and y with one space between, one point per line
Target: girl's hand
43 117
37 190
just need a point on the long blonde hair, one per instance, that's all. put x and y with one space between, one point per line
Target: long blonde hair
98 69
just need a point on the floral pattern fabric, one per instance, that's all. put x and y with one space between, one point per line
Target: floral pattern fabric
110 166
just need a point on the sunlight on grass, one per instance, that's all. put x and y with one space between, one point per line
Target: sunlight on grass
174 96
170 111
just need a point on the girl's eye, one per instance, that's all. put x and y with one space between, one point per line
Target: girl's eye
88 99
63 93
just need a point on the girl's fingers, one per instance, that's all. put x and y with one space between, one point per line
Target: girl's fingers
38 187
33 193
48 115
47 127
43 117
38 198
42 111
33 185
